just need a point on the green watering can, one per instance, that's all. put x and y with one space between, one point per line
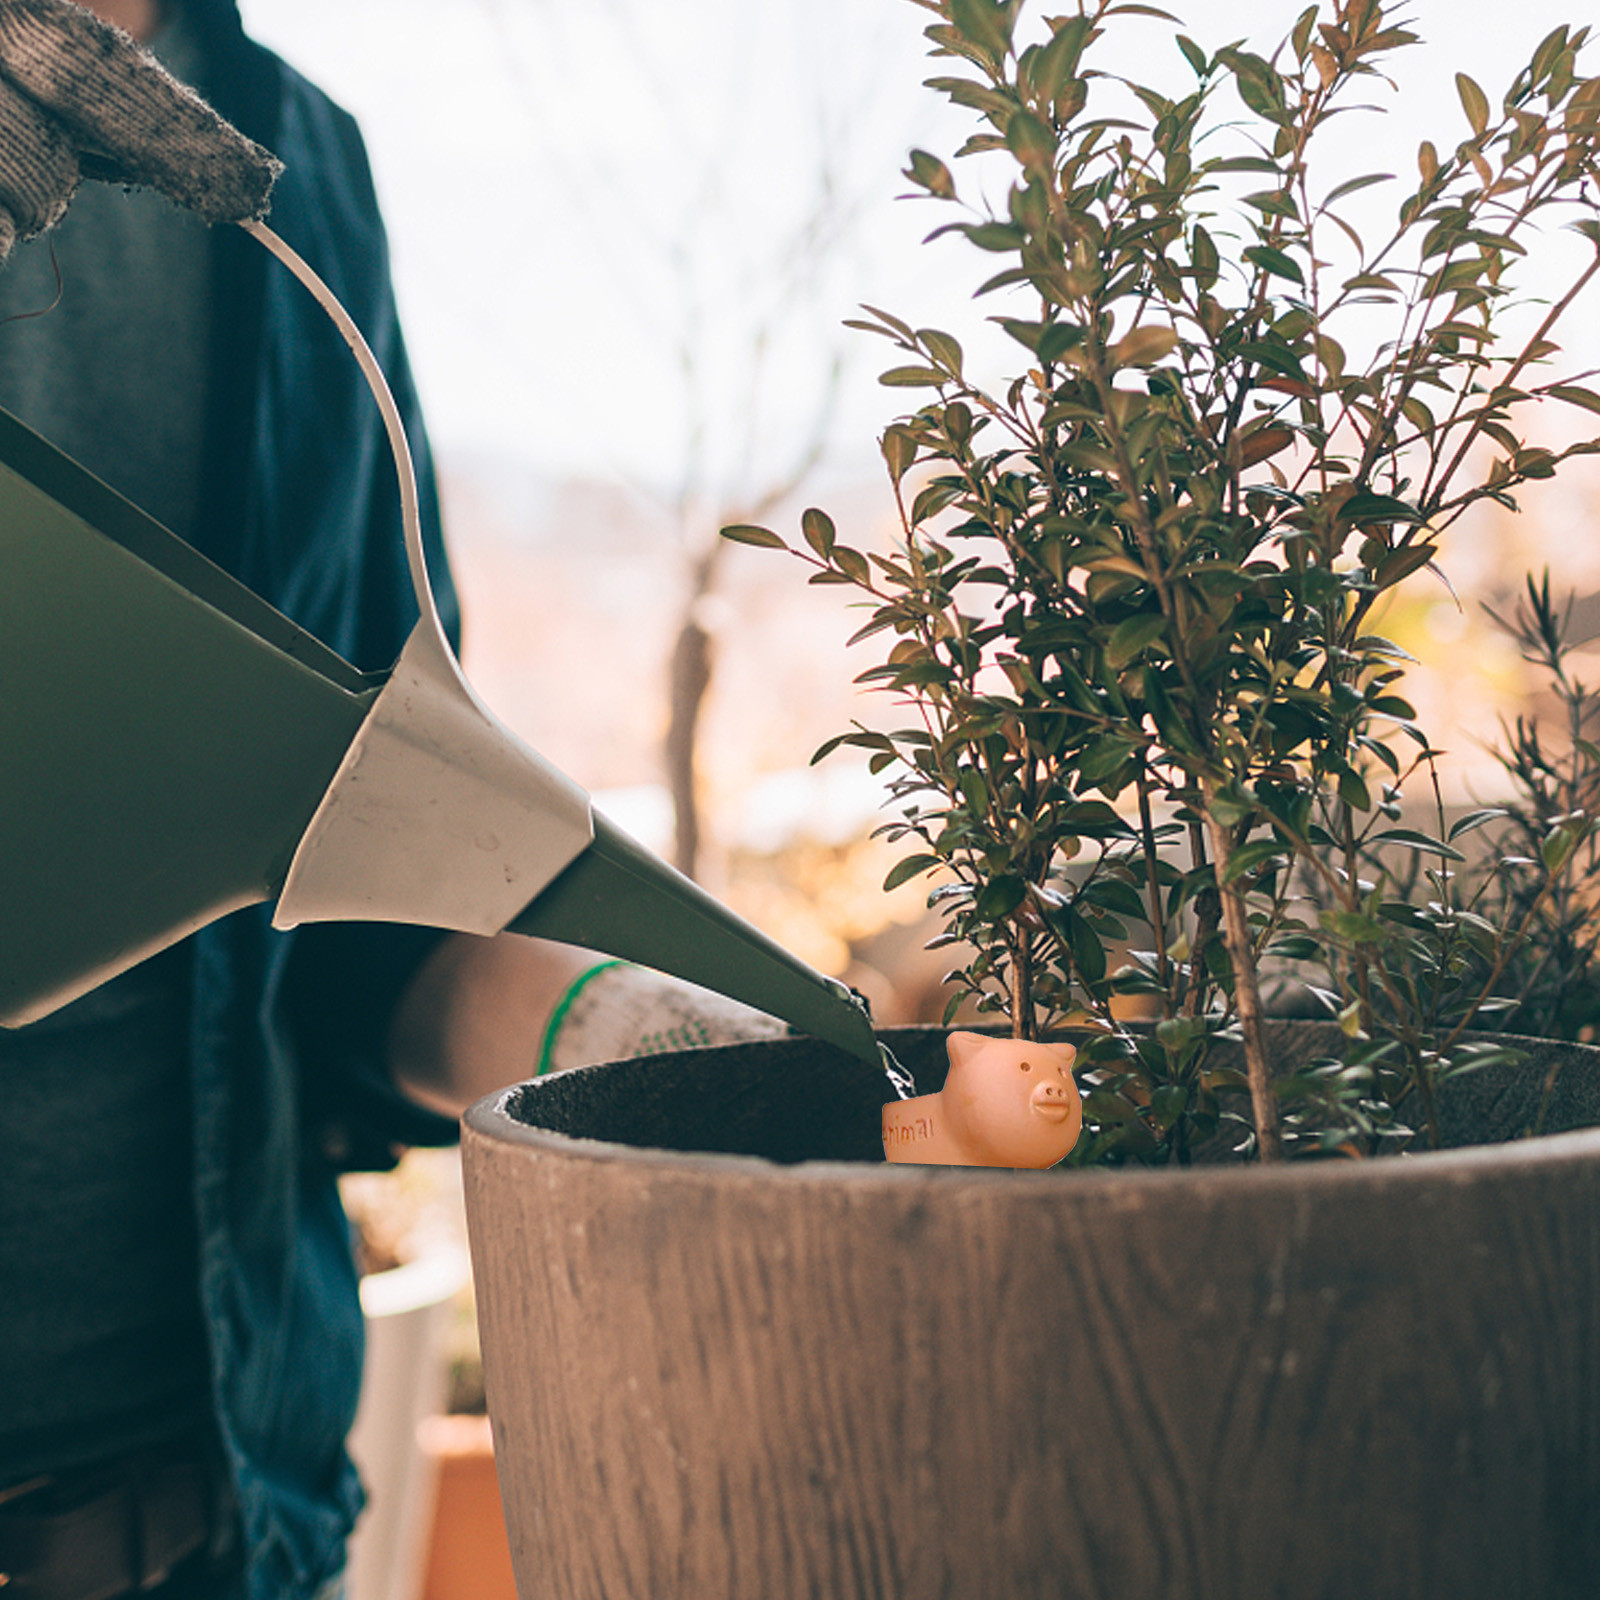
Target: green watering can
175 749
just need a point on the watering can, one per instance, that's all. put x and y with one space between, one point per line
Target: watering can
175 749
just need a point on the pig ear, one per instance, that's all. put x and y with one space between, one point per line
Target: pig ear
963 1047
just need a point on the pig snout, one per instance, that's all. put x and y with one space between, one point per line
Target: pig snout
1052 1099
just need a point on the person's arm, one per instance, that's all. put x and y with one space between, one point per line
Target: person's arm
483 1013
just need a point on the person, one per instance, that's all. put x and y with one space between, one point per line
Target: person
180 1334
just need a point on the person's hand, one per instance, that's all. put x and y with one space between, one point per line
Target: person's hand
78 98
615 1012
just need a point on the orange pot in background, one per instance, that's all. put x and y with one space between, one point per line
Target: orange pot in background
469 1557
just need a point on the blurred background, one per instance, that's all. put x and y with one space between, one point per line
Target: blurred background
626 234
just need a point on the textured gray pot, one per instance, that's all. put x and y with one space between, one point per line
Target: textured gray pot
784 1369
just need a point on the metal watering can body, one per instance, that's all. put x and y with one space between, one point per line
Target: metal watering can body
175 749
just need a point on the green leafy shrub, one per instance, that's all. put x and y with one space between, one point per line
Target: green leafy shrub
1130 609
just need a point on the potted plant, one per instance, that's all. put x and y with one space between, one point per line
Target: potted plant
1134 614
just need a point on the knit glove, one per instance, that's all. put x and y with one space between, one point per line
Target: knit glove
78 98
615 1012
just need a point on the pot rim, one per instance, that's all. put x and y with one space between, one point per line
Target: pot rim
488 1119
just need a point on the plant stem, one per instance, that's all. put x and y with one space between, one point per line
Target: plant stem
1152 863
1247 995
1207 915
1022 985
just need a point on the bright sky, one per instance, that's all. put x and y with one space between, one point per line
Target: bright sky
626 231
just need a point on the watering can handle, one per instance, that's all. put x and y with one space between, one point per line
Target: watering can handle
410 512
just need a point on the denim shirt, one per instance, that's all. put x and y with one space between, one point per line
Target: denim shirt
287 1030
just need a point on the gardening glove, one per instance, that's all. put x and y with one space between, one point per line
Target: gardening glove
78 98
615 1011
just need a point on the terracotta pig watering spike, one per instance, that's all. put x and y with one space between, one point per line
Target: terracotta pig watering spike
1005 1103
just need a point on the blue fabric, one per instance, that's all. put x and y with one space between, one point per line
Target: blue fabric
102 1345
287 1031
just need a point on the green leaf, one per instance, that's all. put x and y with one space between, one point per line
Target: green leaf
1029 139
1575 396
999 898
1242 164
1112 894
932 174
942 348
1351 185
1402 563
983 24
1557 847
1474 820
1248 857
889 321
1168 1103
1277 358
748 533
853 565
933 499
1372 280
1058 339
1194 55
911 867
1106 1105
1411 839
1058 60
1363 508
1101 759
1164 714
1230 806
1353 790
899 448
994 235
1131 637
1474 102
1353 926
819 531
1273 260
1274 203
1093 819
1175 1033
1391 705
1259 86
1025 333
911 378
1144 347
1087 950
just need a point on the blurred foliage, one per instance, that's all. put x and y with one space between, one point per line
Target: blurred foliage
1130 607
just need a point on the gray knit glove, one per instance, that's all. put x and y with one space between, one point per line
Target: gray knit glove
78 98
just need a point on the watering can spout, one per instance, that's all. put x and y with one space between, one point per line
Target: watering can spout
439 815
619 898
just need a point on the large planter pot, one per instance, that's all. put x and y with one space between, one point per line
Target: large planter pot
731 1355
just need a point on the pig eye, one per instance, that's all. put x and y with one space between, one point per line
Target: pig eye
1027 1066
